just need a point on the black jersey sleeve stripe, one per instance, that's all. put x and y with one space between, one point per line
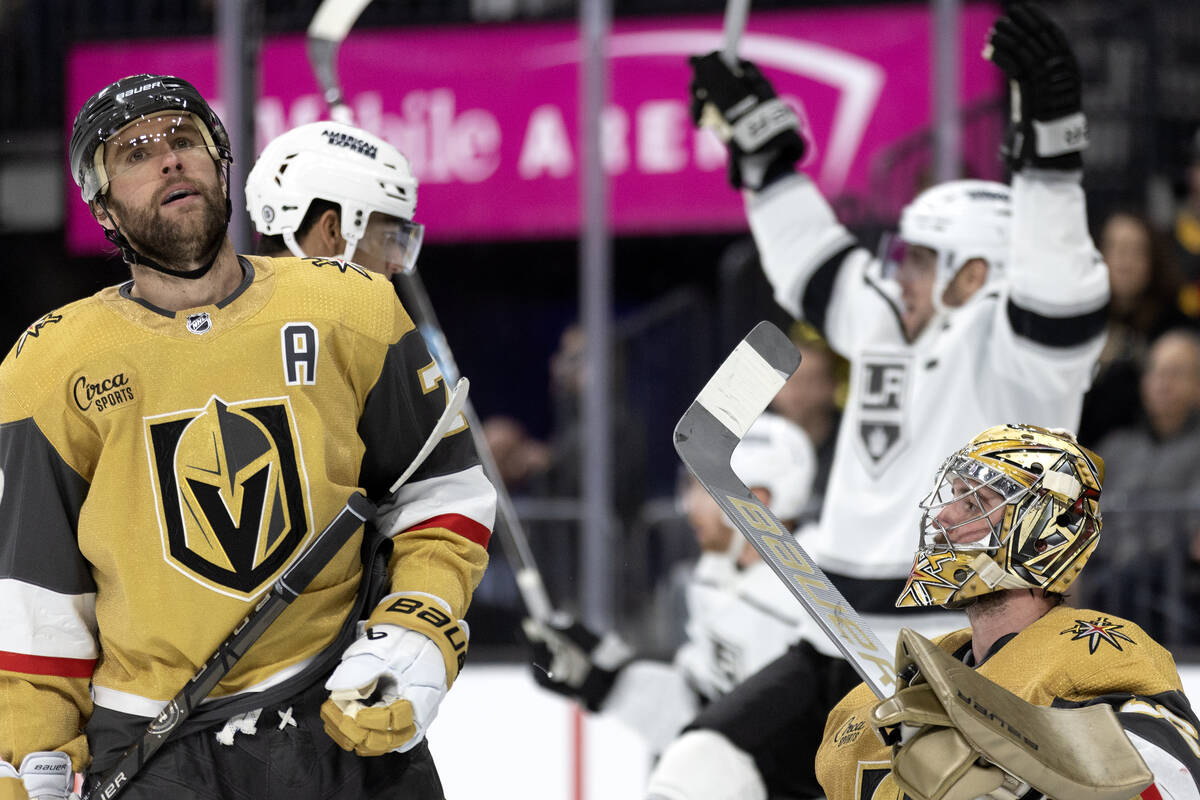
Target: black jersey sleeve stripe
815 297
398 415
41 498
1056 331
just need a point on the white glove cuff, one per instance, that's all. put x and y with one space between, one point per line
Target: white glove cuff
47 775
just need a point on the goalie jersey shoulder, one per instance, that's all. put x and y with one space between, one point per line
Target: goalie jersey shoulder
1076 654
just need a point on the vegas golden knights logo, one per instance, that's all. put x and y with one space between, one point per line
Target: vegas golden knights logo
232 492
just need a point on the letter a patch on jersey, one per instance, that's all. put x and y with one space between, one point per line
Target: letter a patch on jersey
233 493
882 406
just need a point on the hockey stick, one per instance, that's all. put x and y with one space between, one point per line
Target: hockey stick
328 28
512 534
736 12
705 438
287 587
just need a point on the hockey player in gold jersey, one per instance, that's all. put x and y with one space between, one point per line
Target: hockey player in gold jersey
1035 698
168 446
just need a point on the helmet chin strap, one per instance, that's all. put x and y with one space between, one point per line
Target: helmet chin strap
289 238
132 256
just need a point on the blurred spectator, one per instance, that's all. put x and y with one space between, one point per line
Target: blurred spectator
520 458
563 477
1187 228
1145 283
1161 453
1157 462
810 398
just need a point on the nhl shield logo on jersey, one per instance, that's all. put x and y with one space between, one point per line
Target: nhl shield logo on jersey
234 506
199 323
882 405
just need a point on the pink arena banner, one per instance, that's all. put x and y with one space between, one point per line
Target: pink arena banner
489 115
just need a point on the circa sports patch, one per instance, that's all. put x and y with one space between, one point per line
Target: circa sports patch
1100 629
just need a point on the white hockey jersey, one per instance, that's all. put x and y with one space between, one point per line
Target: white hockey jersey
738 622
1021 350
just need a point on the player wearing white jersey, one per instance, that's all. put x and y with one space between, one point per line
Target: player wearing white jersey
740 617
992 308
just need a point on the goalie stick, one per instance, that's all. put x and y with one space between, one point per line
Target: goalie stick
287 587
329 26
511 533
705 438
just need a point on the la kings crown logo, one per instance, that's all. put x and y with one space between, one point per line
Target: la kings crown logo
233 506
882 405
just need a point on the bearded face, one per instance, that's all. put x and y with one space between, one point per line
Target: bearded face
165 191
175 239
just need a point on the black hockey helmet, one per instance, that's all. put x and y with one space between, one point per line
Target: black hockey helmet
123 102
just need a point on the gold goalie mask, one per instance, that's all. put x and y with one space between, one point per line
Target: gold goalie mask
1017 508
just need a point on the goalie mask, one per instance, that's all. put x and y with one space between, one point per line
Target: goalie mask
368 178
1017 508
959 221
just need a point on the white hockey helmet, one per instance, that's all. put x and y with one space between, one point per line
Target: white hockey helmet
960 220
777 455
336 162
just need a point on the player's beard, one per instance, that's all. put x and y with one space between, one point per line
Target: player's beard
189 241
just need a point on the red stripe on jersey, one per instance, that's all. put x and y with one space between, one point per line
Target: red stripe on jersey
1151 792
47 665
463 526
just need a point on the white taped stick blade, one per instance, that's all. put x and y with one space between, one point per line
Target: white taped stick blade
744 385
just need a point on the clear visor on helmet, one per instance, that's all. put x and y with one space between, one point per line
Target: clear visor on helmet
389 243
891 253
140 147
965 510
895 254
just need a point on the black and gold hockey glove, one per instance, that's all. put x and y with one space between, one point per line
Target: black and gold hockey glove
1048 128
740 106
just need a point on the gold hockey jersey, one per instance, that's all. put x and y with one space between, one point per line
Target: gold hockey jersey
1069 658
160 470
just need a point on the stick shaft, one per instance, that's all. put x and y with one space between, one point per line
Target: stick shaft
510 531
705 439
736 13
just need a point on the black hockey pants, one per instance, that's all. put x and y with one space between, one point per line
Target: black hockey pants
777 715
282 761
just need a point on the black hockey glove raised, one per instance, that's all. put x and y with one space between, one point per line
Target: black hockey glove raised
568 658
740 106
1048 129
